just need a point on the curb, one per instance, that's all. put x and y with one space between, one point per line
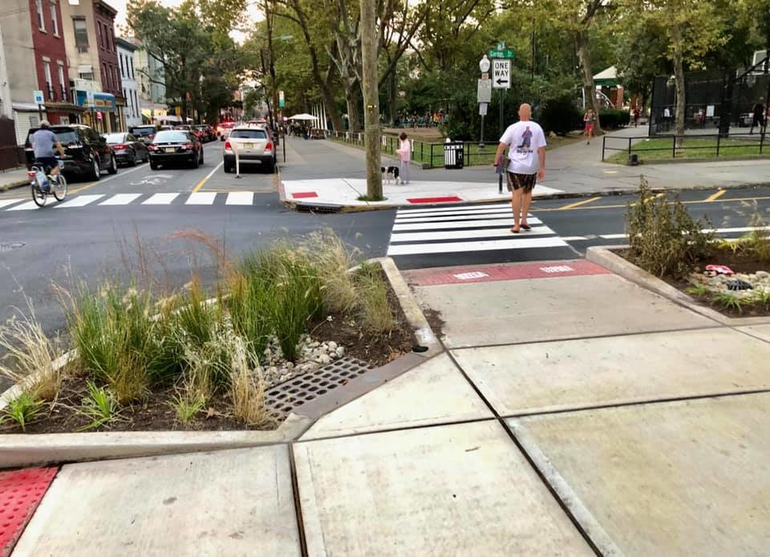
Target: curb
20 450
341 208
14 185
606 257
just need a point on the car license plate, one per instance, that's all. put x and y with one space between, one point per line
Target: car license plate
170 149
248 145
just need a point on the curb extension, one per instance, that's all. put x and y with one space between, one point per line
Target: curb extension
339 208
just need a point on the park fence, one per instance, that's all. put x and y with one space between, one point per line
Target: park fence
693 146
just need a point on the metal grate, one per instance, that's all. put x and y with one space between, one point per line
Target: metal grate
295 392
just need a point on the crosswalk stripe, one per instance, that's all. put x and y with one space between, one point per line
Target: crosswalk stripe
240 198
483 245
468 208
398 227
28 206
161 199
458 211
452 218
466 234
121 199
79 201
6 202
201 198
488 212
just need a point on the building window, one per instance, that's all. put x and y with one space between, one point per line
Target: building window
104 76
131 62
101 36
40 18
54 19
48 80
81 34
62 83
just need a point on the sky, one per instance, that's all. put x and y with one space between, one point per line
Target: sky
252 12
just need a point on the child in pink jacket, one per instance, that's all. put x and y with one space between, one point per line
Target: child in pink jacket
404 153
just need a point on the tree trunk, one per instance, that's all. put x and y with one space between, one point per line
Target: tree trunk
589 87
353 100
371 99
679 80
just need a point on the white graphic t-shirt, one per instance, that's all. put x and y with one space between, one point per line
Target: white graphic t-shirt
524 139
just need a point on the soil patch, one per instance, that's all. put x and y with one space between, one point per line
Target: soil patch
435 321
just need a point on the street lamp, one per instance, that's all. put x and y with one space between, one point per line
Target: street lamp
484 67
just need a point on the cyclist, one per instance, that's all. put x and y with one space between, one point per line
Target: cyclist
43 144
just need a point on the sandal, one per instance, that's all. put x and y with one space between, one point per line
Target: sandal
525 226
514 230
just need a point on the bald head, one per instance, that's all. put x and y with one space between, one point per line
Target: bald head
525 112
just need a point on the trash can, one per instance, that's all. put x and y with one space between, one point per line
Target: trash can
453 155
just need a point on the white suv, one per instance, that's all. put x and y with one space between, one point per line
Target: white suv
254 146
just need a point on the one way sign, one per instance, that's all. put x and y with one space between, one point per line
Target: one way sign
501 74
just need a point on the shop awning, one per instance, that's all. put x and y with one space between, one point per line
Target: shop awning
103 102
607 78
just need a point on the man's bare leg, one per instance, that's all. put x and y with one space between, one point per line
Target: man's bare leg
526 202
516 205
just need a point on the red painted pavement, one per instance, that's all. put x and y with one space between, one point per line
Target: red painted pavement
452 199
304 194
491 273
20 493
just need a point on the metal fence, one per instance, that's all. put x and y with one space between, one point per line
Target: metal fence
692 146
430 154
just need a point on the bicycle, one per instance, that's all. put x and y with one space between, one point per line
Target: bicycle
56 185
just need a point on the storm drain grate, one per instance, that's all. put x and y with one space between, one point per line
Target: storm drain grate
295 392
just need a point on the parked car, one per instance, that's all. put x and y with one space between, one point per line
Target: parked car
191 129
224 129
170 146
86 153
145 134
207 132
127 148
254 146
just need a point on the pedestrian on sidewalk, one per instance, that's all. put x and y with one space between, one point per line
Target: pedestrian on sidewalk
526 163
589 118
404 153
758 117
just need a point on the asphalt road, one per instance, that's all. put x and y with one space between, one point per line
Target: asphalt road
99 230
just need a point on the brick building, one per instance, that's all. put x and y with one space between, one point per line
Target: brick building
104 20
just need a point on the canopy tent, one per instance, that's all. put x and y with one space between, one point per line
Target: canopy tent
303 117
607 78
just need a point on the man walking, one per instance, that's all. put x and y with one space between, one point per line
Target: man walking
526 163
758 117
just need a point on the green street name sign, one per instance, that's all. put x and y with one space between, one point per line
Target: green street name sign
504 54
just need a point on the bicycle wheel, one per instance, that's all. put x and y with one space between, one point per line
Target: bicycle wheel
38 196
60 188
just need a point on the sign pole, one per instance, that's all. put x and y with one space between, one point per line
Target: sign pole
502 130
39 113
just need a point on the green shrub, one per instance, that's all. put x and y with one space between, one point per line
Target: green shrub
664 238
560 116
23 409
611 119
376 313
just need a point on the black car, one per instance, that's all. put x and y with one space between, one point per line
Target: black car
145 134
174 146
127 148
86 153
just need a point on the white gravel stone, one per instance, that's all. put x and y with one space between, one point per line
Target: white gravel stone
332 346
340 352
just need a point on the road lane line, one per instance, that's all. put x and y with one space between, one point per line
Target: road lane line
161 199
121 199
715 196
6 202
484 245
240 198
79 201
209 175
105 180
578 204
201 198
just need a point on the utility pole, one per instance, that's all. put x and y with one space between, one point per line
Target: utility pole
371 99
273 92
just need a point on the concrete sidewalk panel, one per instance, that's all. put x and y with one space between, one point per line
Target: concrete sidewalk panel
520 311
434 392
761 331
685 478
460 489
554 376
224 503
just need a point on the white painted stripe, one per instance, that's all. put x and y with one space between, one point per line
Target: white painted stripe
201 198
79 201
488 213
454 225
458 211
161 199
468 234
454 208
28 206
484 245
612 236
741 229
6 202
456 218
574 238
240 198
121 199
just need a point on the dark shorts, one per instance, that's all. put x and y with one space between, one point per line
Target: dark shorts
47 162
524 181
